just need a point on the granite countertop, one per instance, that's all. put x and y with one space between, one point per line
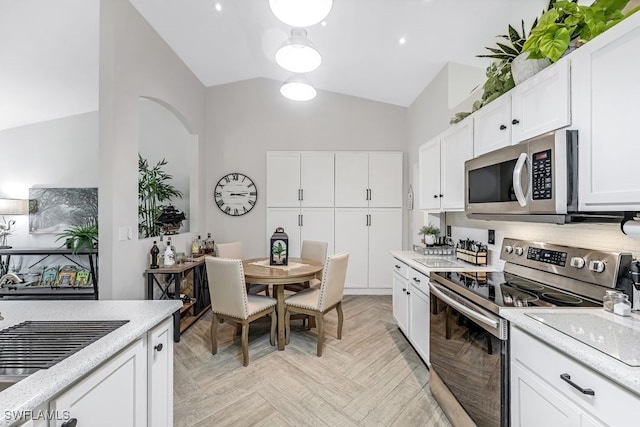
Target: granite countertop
42 386
408 258
584 330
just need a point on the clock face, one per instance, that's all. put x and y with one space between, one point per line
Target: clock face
235 194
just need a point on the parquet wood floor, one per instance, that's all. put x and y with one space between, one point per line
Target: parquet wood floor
372 377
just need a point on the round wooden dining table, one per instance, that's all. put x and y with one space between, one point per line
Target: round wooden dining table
277 278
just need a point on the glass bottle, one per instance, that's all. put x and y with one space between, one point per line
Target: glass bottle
162 248
622 305
153 256
195 246
169 256
608 299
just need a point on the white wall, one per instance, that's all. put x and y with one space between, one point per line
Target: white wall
56 153
248 118
135 62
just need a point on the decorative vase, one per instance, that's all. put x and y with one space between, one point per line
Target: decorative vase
429 239
522 67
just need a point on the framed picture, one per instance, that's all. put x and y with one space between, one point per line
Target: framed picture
52 210
66 278
82 278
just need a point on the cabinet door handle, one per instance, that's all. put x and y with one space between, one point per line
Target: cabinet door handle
435 196
158 347
70 423
301 220
408 293
415 279
397 266
515 121
503 127
369 220
404 289
302 194
440 195
370 194
567 378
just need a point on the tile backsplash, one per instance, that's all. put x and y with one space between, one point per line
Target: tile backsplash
587 235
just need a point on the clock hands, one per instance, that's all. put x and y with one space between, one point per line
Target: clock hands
239 194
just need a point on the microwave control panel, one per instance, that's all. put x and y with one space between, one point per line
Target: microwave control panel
542 179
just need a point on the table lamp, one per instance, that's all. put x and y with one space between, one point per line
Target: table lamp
10 207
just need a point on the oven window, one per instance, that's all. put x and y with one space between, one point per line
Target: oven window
492 184
471 362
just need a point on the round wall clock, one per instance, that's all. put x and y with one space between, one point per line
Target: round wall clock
235 194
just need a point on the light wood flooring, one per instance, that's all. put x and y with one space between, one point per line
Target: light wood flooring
372 377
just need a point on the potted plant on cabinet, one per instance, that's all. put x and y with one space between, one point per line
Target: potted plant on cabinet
80 236
429 233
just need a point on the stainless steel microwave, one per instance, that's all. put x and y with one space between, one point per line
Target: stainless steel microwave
536 180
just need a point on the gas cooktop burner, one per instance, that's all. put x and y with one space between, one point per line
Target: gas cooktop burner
562 299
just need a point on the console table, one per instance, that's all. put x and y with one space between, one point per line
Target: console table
51 292
164 277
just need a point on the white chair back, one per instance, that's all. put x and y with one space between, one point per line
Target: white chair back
231 250
314 250
333 277
227 287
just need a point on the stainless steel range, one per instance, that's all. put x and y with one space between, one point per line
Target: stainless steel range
469 351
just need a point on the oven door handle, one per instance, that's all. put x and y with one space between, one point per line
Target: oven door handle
517 179
463 309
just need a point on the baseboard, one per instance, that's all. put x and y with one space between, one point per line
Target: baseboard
367 291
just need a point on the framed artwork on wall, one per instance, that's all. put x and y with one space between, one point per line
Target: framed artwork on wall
52 210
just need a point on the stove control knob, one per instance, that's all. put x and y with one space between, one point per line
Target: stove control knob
596 266
508 249
519 251
577 262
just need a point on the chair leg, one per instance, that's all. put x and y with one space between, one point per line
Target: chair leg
274 323
214 333
320 323
238 329
287 326
340 319
245 343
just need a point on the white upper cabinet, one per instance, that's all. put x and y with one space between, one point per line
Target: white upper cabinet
605 78
456 148
429 161
442 168
300 179
492 126
541 103
371 179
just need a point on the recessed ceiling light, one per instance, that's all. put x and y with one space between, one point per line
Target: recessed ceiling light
298 88
218 7
323 23
402 40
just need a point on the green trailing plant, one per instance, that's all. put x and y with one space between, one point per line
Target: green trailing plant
80 236
566 22
429 229
154 193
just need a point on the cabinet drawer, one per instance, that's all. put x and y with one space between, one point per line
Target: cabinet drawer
400 268
611 402
419 280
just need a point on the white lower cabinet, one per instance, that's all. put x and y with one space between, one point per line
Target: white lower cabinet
132 389
113 395
411 306
545 389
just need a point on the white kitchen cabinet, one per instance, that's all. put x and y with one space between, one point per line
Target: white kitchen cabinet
368 179
160 378
368 235
492 126
606 109
411 306
113 395
302 224
539 390
429 164
446 154
541 103
300 179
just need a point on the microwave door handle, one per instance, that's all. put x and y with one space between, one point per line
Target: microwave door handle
517 179
462 308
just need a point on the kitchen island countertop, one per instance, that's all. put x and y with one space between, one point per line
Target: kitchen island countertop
40 387
588 321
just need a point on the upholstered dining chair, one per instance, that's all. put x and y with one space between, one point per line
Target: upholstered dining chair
318 301
316 251
230 301
234 250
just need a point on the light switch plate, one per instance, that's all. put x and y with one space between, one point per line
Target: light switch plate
448 231
491 238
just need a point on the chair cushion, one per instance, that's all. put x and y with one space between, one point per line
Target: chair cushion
258 303
309 298
315 283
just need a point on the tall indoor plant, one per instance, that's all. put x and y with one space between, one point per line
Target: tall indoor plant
154 190
80 236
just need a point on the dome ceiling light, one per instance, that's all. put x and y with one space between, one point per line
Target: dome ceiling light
298 54
298 88
298 13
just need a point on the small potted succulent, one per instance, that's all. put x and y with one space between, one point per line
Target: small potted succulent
429 233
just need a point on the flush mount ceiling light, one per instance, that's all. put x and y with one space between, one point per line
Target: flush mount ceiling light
298 88
298 54
299 13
